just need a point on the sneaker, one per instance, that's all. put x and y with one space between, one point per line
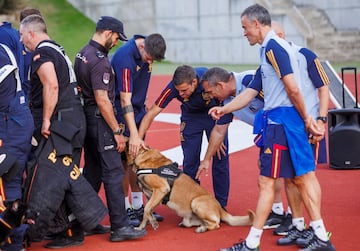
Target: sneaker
241 246
132 217
284 226
318 245
126 233
291 238
274 220
66 239
306 237
99 229
140 213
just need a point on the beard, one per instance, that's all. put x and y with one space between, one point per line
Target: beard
109 44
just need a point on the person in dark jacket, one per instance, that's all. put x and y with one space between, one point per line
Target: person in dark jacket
104 140
60 128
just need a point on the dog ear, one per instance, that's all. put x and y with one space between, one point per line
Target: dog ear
131 159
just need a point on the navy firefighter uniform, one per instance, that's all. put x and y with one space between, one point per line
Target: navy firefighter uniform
10 37
102 161
194 122
16 127
56 177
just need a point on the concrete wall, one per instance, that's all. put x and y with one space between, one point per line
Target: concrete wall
196 31
344 15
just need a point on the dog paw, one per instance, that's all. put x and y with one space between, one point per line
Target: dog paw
155 225
200 229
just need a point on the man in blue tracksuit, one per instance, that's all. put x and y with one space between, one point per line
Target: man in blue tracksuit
225 86
132 64
285 150
195 103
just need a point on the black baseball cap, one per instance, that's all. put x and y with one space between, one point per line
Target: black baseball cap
110 23
9 165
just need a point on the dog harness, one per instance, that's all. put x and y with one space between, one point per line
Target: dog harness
171 172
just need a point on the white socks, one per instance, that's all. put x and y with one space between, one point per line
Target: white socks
253 238
127 202
278 208
319 229
137 199
289 210
299 223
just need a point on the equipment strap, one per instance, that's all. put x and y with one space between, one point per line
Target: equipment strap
14 64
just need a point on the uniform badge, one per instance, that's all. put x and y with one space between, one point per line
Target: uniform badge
206 97
99 54
82 58
106 78
267 151
150 68
138 68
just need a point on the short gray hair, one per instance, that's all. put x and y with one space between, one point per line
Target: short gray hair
215 75
257 12
34 23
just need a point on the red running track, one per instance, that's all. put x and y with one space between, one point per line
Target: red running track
340 202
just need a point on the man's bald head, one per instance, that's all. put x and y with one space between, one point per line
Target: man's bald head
278 29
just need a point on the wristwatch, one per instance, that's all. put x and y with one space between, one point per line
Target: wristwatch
118 131
323 119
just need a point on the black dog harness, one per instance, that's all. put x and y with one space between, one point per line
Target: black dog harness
171 172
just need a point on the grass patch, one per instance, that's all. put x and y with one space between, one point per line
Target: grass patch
66 25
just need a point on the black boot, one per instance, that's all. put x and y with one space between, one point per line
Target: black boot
74 236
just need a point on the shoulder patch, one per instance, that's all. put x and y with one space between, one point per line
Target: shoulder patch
82 58
106 78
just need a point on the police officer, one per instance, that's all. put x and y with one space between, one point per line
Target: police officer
16 127
60 127
132 64
195 103
104 140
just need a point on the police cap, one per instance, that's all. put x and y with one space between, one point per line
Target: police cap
110 23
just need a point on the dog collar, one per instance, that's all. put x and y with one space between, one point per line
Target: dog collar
169 171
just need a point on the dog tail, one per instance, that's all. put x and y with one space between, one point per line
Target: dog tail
235 220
